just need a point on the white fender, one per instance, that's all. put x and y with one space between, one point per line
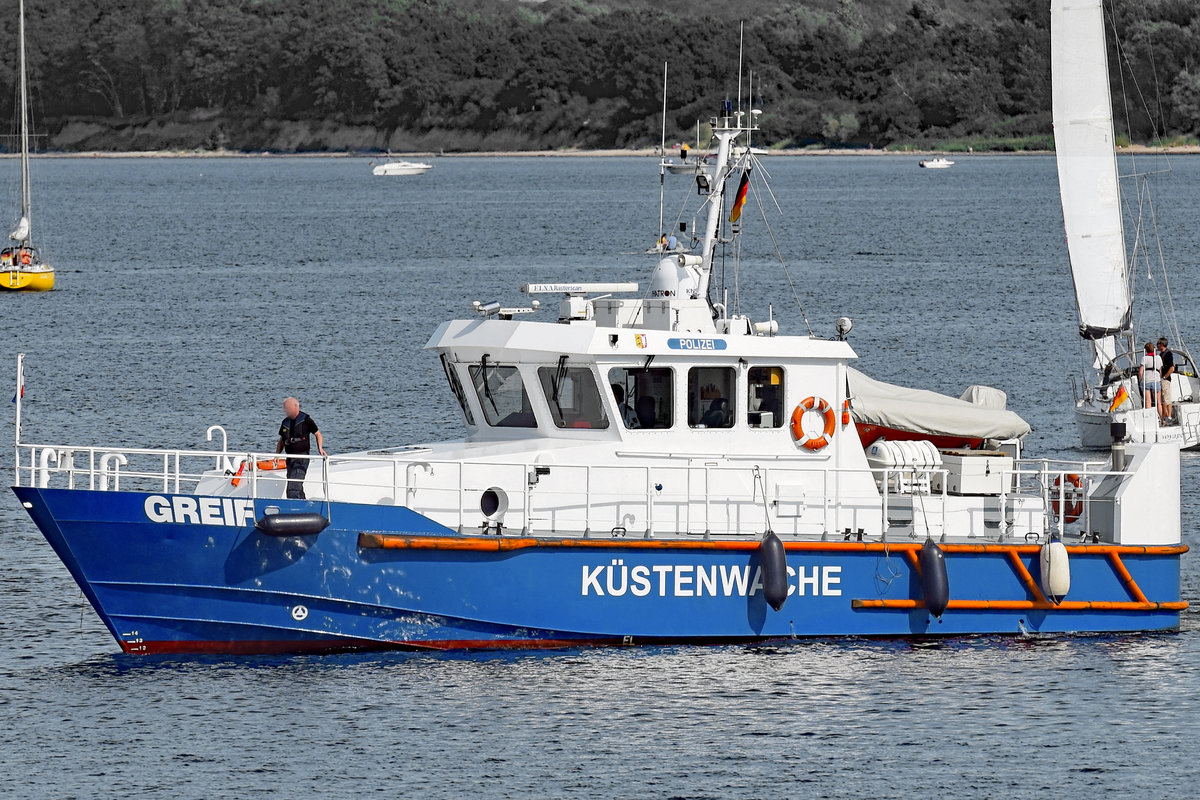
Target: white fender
48 454
1056 571
110 464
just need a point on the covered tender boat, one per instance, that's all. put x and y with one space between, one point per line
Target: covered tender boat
638 465
899 413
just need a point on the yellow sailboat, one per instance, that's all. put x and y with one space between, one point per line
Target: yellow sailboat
21 268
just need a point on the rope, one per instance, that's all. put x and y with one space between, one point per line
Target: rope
779 254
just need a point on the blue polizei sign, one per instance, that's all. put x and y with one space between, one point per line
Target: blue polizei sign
696 343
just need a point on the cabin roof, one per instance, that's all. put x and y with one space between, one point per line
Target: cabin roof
554 339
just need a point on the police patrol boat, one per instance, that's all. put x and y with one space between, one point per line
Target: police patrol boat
643 467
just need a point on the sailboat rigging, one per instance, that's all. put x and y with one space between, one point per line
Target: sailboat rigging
1111 404
21 266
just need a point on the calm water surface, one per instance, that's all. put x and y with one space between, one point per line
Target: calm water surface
202 291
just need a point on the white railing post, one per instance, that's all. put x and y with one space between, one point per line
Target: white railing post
649 505
17 422
587 499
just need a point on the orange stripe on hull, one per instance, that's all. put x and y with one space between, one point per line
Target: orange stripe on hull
493 544
1024 605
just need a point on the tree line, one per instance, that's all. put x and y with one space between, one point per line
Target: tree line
496 74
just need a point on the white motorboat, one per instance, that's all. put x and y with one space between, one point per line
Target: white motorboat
687 167
1091 203
936 163
401 168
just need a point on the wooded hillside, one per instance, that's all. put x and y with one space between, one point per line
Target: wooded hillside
498 74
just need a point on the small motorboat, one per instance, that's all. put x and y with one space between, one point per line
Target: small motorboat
936 163
401 168
687 167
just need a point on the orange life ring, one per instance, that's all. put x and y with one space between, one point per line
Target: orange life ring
821 407
1072 497
272 463
26 258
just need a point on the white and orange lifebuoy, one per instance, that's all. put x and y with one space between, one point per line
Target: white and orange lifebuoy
1072 498
821 407
271 463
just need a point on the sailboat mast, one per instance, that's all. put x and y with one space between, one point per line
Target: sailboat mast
24 115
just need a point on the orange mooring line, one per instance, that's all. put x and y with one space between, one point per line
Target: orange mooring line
1025 578
1025 605
1127 580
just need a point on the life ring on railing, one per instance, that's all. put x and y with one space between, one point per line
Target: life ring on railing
272 463
821 407
1072 497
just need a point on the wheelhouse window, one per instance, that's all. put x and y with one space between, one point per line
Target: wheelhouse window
711 397
644 397
764 400
457 387
501 393
573 397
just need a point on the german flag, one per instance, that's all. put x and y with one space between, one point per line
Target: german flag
739 200
1120 397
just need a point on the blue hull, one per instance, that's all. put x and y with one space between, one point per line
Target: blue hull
172 573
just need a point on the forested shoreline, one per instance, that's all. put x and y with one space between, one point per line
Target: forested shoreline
501 75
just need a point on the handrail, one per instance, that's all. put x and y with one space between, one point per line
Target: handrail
1027 479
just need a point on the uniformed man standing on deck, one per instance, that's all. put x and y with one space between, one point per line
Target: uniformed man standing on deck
294 434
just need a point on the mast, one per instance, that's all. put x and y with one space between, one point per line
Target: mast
1087 177
662 161
22 233
726 128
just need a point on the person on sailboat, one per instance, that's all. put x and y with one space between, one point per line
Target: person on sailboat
1150 375
1165 403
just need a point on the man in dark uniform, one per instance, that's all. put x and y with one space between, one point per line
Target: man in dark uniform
294 433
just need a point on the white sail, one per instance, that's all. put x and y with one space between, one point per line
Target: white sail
22 231
1087 173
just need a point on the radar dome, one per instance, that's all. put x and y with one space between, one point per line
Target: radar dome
673 277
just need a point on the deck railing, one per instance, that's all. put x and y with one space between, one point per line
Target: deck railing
744 497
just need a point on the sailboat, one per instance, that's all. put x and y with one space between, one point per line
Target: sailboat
21 267
1100 267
